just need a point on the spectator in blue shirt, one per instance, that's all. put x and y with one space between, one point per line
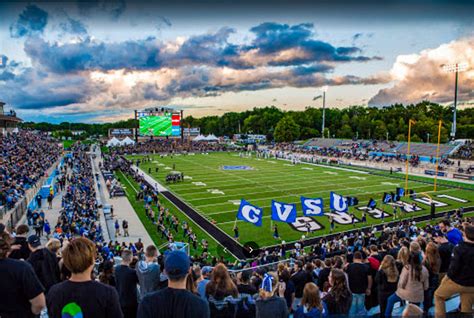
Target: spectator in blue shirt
453 235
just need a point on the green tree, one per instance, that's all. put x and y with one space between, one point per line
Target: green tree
287 130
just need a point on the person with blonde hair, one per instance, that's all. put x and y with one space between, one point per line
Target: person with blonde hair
386 281
268 303
402 258
311 304
412 284
432 262
54 245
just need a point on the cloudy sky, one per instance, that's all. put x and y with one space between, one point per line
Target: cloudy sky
97 61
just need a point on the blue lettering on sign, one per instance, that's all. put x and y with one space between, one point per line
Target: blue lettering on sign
236 168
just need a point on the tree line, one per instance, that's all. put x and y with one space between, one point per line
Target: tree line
352 122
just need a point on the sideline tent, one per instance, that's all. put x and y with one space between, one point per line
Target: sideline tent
113 142
127 141
199 138
211 138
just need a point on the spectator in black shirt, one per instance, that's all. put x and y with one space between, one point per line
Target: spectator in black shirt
386 281
44 262
80 294
299 279
244 286
324 274
445 249
126 281
21 294
174 301
360 284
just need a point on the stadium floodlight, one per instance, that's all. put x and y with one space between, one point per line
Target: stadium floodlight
455 68
324 89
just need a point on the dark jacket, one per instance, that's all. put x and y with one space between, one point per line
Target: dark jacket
338 306
46 267
460 269
126 281
274 307
300 279
385 288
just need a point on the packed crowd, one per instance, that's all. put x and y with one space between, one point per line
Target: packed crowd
169 227
26 156
169 146
346 276
465 151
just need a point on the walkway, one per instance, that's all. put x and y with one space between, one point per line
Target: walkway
123 210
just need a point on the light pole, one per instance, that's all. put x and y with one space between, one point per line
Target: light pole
324 89
428 138
455 68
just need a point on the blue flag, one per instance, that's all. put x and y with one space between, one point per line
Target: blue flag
351 201
387 197
337 202
372 204
250 213
400 192
312 207
283 212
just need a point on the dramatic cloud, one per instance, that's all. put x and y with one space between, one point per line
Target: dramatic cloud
31 21
279 45
78 74
421 76
114 9
73 26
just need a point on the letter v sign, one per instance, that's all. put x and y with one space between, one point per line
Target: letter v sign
283 212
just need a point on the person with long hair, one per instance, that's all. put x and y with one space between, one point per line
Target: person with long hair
268 303
402 258
106 275
220 291
386 281
286 287
221 285
432 262
339 298
311 304
412 284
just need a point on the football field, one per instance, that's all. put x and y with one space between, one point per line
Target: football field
215 183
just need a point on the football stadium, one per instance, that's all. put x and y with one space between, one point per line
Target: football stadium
304 159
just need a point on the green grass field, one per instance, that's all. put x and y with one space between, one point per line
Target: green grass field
216 193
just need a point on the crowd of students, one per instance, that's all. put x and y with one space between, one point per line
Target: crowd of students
26 156
416 267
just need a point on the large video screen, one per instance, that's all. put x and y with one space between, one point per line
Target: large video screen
160 125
